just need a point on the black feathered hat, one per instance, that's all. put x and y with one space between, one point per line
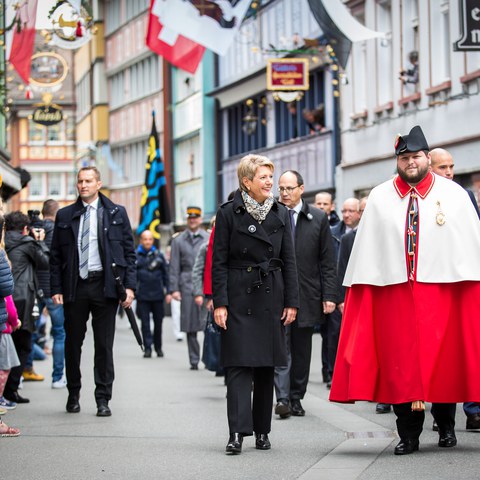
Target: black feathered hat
415 141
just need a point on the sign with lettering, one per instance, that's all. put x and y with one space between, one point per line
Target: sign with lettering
287 74
470 24
47 115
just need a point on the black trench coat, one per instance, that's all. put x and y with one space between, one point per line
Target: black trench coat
254 275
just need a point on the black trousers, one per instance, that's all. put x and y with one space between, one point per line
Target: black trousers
334 321
242 416
23 344
144 308
410 424
301 352
90 300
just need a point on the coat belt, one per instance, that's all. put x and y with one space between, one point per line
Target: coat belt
263 269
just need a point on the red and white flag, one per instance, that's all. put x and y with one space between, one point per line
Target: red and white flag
22 43
211 23
181 52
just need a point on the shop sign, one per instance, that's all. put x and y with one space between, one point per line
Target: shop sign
287 74
47 115
470 26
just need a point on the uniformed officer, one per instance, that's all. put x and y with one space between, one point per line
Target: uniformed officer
182 258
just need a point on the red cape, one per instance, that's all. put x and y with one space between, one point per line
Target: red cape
410 341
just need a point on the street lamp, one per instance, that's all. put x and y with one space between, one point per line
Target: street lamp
250 119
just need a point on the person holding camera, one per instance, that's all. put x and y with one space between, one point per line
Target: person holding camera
27 252
152 279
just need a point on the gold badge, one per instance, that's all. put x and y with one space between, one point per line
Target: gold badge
440 217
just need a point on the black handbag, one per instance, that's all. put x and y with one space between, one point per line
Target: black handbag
211 345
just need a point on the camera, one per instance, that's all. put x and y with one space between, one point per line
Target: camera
35 221
36 224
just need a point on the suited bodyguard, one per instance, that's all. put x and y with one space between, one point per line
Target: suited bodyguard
88 237
317 280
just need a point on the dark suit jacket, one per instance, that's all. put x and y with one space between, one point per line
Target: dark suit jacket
115 245
316 265
346 245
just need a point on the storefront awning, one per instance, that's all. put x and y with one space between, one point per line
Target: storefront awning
340 27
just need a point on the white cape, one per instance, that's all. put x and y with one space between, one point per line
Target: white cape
446 253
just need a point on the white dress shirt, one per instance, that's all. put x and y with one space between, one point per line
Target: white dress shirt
94 260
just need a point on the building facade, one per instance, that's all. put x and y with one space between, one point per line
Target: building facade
376 104
279 130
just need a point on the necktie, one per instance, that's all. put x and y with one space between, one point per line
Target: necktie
292 223
412 229
84 241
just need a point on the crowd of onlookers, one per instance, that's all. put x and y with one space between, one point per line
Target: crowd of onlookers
24 305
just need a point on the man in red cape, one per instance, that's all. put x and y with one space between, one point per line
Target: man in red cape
414 278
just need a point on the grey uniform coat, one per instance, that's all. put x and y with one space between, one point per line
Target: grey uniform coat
254 275
182 258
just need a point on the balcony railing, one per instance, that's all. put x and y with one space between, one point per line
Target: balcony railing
311 156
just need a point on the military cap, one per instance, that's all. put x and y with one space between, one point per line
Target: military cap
415 141
193 212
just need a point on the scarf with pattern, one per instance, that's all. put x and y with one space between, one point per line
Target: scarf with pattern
258 211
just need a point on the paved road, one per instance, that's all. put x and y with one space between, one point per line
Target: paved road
170 423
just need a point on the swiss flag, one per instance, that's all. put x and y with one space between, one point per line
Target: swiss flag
23 41
184 53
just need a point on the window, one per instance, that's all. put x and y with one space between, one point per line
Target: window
35 186
385 74
55 133
296 119
440 41
83 94
239 138
112 17
71 184
54 184
36 132
410 43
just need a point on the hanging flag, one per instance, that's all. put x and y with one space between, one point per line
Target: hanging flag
154 208
182 52
21 49
212 24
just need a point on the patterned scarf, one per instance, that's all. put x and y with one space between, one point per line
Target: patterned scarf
258 211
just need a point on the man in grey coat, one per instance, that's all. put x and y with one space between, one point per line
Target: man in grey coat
316 269
182 258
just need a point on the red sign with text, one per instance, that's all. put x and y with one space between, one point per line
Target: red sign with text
287 74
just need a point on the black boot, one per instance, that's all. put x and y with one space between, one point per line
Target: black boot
234 444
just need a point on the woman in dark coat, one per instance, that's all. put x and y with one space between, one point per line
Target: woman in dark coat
255 294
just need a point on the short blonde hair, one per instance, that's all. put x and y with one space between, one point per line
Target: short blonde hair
248 167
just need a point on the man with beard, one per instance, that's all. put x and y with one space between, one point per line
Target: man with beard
409 304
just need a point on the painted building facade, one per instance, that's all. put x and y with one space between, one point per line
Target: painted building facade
376 104
281 132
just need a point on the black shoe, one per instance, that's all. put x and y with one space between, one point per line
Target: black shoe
148 353
297 409
406 446
473 422
447 439
103 410
383 408
262 442
326 377
16 397
159 352
434 426
234 444
73 404
194 367
329 385
282 408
